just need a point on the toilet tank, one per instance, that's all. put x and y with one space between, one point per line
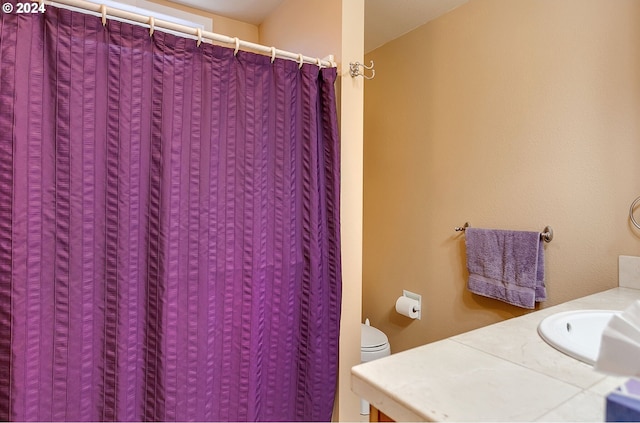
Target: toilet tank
373 343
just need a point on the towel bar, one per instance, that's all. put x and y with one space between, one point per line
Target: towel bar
546 234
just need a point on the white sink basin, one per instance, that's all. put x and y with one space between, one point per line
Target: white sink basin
576 333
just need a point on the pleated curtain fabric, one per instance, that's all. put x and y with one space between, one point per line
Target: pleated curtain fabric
169 228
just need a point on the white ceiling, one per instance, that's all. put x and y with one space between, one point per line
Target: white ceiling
385 20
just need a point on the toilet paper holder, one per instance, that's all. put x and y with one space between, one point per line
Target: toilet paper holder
416 306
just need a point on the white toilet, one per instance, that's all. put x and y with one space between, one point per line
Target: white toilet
373 344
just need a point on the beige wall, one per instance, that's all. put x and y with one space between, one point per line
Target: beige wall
506 114
351 213
220 24
310 27
319 28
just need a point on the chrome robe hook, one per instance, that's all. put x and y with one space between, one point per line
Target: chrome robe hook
354 70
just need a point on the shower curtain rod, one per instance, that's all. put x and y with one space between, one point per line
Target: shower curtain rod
153 23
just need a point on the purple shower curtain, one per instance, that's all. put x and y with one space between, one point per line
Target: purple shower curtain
169 227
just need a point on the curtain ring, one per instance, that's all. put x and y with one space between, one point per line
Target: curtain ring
237 40
103 12
273 54
199 32
152 25
300 61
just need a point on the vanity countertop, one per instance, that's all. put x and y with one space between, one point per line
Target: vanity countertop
501 372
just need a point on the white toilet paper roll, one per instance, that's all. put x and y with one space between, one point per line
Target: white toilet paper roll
407 307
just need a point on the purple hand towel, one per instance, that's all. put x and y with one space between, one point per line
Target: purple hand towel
506 265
